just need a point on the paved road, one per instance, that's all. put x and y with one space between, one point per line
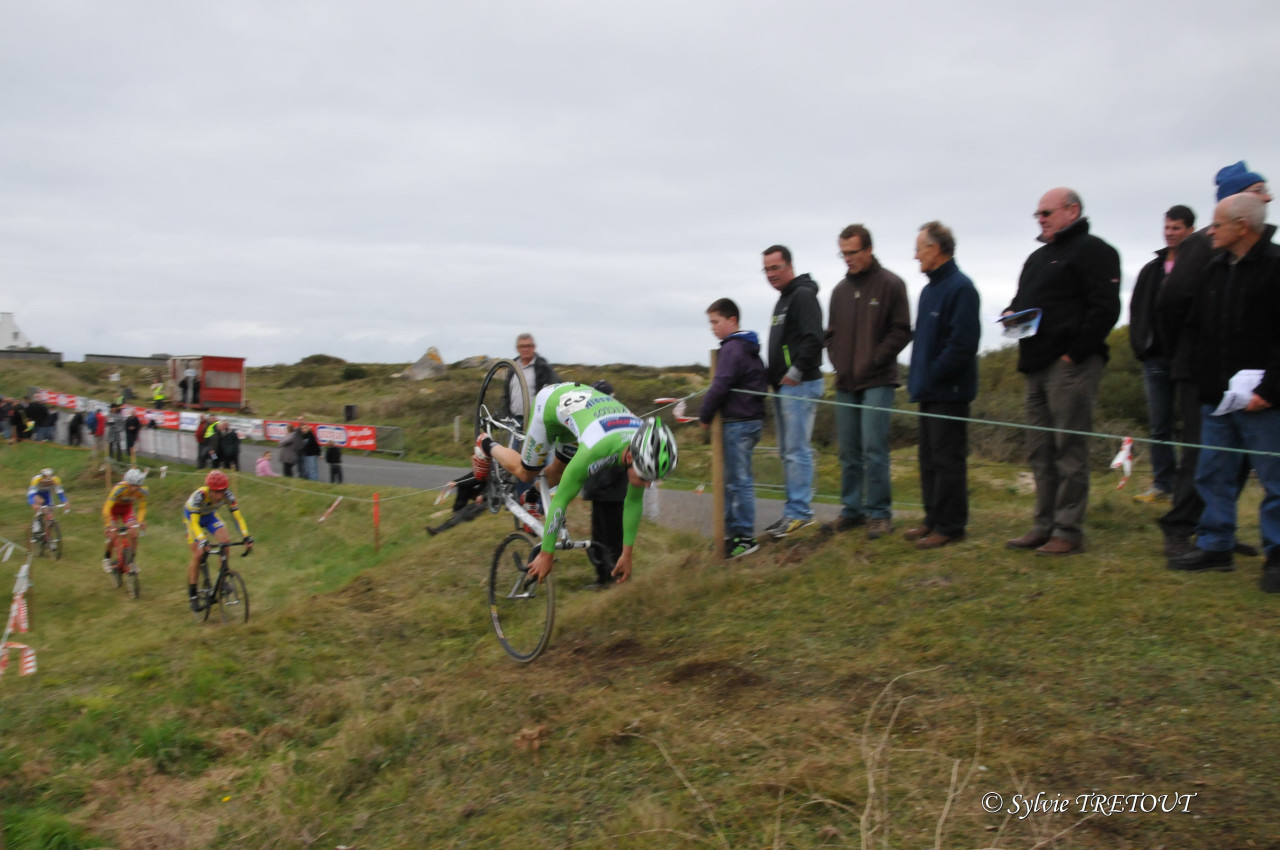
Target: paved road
678 509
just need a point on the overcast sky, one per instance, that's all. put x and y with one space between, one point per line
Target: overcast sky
277 179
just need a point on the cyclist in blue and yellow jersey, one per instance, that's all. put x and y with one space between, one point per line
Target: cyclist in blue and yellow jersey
587 431
126 505
40 493
200 515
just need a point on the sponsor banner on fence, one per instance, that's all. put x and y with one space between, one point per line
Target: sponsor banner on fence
363 437
360 437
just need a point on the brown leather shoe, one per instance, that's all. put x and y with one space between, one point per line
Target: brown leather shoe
916 533
936 540
1030 540
1060 546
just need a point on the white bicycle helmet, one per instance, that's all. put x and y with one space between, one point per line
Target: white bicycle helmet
135 477
653 450
46 473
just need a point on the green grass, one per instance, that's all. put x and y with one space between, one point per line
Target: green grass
821 693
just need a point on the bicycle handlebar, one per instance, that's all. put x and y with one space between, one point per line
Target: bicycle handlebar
216 548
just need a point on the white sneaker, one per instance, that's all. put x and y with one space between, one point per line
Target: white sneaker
106 565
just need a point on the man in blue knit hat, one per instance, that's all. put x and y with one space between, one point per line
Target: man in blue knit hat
1177 295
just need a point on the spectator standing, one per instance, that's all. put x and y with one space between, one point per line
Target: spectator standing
158 395
310 453
795 375
1233 324
944 381
75 429
115 434
262 466
289 448
868 325
38 420
18 421
1152 344
205 429
537 371
6 418
228 447
333 457
1074 280
132 428
1174 304
742 414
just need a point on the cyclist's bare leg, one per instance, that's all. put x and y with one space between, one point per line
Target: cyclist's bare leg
509 459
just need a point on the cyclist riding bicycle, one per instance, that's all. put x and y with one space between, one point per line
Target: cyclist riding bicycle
42 488
200 515
126 505
587 431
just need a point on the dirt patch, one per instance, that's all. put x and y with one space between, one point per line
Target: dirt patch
723 675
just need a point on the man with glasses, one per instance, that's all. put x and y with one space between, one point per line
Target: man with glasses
1074 280
537 371
868 325
1173 305
1233 324
795 375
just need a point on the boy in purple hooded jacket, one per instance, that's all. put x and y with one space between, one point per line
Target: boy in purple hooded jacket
738 367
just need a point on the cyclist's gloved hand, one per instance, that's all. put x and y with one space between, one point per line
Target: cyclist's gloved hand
248 544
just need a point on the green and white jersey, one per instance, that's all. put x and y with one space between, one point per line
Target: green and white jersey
602 428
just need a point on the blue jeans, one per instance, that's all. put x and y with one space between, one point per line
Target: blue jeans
1157 381
864 453
740 439
795 412
311 467
1218 476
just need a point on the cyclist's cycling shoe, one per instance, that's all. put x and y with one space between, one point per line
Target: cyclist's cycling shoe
480 461
195 604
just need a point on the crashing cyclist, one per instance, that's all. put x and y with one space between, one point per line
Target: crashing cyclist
586 431
200 515
125 507
43 487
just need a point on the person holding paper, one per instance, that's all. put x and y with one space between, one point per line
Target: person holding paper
1233 329
1074 279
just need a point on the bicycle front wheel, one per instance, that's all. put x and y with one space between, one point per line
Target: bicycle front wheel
502 410
55 539
233 601
523 611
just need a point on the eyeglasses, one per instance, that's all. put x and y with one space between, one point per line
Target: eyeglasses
1047 213
847 254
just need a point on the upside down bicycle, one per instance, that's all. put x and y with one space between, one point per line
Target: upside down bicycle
521 610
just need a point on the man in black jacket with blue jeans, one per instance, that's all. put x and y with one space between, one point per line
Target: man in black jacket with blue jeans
1074 280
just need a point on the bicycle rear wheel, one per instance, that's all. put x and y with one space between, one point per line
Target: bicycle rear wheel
522 611
233 600
204 592
504 390
129 568
55 539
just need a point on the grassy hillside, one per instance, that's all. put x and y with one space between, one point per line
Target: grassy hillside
822 693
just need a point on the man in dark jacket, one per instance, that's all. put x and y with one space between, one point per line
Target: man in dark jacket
1074 280
537 371
868 325
795 374
1234 341
1174 304
1152 344
228 447
944 380
738 367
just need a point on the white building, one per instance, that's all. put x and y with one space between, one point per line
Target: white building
11 336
